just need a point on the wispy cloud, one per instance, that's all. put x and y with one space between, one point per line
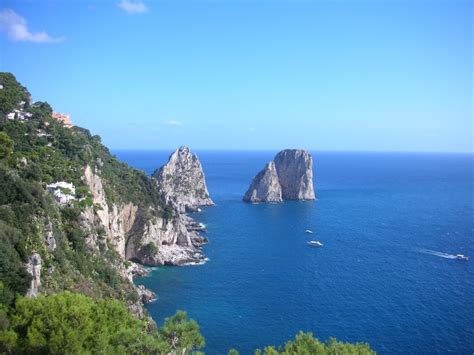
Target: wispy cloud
133 6
17 30
173 123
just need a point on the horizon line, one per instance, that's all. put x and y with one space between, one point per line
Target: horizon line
311 150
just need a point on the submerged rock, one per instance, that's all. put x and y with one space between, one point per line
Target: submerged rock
288 177
182 181
265 186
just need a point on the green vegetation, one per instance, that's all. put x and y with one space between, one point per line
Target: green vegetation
69 323
150 249
181 333
307 344
6 146
11 94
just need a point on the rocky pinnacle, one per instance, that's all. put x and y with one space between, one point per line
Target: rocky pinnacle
182 181
288 177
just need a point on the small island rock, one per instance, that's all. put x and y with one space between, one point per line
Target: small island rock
295 173
265 186
288 177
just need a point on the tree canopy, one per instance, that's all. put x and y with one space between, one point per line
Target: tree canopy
307 344
71 323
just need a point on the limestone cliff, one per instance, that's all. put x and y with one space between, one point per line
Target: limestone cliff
288 177
34 269
295 173
182 181
265 186
140 233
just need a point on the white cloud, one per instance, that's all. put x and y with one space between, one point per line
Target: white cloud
17 30
133 6
173 123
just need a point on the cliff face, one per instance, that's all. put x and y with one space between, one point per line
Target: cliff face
265 186
175 244
139 233
116 221
295 173
182 181
33 267
288 177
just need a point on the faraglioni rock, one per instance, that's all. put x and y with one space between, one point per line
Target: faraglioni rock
182 181
265 186
295 173
289 176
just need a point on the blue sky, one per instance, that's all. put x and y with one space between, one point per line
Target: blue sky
251 74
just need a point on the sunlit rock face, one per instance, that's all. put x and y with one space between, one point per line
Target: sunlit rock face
265 186
182 181
295 174
289 176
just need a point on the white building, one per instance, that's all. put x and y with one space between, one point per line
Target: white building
19 115
63 192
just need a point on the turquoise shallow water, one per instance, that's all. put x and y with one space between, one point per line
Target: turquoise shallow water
390 224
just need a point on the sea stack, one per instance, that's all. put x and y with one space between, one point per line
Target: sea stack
295 173
265 186
182 181
288 177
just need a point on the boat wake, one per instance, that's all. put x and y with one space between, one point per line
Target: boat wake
437 253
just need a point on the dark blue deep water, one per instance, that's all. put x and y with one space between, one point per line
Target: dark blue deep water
390 224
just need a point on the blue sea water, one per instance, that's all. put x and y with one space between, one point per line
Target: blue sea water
390 224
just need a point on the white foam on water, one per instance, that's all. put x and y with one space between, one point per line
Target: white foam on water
193 263
437 253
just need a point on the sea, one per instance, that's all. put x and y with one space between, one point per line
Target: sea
391 225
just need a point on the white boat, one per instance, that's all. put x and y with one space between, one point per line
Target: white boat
315 243
308 231
462 257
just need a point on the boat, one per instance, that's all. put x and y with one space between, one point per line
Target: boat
315 243
462 257
308 231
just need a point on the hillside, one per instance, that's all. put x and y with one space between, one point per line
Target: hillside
72 217
73 246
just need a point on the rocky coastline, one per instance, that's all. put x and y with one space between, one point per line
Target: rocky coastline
144 236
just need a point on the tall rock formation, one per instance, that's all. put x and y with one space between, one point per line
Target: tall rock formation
34 269
182 181
295 173
288 177
265 186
